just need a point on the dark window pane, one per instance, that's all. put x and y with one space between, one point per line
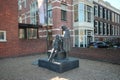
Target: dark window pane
1 35
63 15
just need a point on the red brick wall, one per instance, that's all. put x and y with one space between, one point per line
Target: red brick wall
102 54
9 23
32 46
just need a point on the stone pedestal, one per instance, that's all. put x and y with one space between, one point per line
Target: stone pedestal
59 66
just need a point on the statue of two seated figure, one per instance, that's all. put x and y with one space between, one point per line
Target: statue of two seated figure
61 45
57 52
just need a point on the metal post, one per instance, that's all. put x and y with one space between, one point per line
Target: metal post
47 23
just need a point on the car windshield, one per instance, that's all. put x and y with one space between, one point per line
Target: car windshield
100 43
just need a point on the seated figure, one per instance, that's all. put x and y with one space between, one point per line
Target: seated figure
57 51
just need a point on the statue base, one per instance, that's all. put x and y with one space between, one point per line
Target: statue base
59 66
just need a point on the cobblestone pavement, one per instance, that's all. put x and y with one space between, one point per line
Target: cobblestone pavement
22 68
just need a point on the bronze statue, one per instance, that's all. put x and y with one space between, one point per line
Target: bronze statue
61 46
66 40
55 48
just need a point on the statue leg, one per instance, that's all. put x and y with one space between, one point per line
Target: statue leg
51 55
49 59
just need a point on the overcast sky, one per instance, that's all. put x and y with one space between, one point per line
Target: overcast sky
115 3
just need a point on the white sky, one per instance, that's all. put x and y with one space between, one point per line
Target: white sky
115 3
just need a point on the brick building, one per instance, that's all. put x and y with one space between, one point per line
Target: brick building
59 14
10 43
88 20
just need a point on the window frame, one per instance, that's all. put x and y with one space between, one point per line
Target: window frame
63 15
76 13
32 33
89 13
64 12
26 29
101 12
96 10
33 12
96 27
26 35
105 29
4 34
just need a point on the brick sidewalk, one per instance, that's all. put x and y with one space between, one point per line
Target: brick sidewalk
22 68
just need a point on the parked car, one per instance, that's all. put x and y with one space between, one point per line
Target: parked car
98 44
116 45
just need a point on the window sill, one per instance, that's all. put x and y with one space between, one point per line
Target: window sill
3 40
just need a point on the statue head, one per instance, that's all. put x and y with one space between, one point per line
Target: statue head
64 28
57 37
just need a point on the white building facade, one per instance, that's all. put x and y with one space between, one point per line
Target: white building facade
95 20
83 23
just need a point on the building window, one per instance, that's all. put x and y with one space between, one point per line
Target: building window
112 30
19 4
119 18
25 3
31 33
104 29
116 30
82 14
28 33
20 19
101 28
96 27
63 15
33 12
2 36
101 12
50 19
113 16
116 18
76 38
89 13
108 15
63 12
76 13
96 10
105 11
22 33
108 29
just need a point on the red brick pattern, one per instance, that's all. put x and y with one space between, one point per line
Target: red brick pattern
9 23
102 54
